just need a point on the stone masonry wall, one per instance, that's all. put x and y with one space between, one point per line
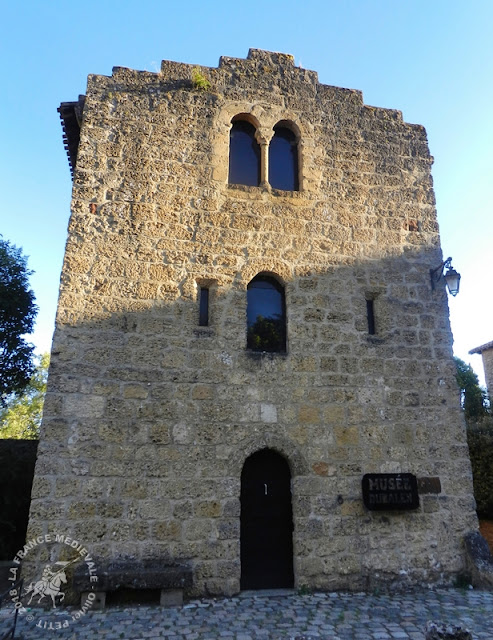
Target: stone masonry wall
488 369
149 417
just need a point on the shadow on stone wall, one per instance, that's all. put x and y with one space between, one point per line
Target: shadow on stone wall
149 418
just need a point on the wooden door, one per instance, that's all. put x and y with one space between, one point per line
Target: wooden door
266 522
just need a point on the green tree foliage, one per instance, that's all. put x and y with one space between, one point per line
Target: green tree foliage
17 314
267 334
21 417
473 398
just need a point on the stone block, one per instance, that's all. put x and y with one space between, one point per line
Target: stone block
429 485
126 573
135 391
208 509
268 413
171 598
334 414
321 468
346 435
202 392
479 561
84 406
308 414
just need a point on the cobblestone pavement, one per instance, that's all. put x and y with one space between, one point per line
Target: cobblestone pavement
334 616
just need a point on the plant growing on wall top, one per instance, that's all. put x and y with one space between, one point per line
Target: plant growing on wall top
199 81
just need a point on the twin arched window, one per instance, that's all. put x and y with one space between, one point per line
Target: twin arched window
266 314
246 159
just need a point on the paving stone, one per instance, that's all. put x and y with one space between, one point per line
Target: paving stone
332 616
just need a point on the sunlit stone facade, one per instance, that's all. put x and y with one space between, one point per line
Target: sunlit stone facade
151 416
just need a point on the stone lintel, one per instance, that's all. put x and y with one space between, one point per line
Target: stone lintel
429 485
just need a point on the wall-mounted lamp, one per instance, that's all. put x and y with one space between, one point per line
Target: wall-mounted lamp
451 277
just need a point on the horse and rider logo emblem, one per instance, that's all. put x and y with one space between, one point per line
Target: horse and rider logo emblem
40 601
49 585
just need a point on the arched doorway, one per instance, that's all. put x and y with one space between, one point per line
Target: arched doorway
266 522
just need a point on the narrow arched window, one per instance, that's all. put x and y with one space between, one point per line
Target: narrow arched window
244 155
283 159
266 314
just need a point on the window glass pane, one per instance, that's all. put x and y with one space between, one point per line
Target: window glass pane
283 160
204 307
370 314
244 155
266 317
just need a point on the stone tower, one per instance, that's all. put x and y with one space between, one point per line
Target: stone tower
486 352
246 329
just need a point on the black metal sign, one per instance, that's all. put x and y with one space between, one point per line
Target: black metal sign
390 491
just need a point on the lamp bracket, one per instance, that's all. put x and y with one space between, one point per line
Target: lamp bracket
451 275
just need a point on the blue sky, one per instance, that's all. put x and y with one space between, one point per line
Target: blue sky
432 59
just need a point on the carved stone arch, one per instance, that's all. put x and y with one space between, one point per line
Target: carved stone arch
278 443
247 117
290 124
277 269
222 124
271 274
291 120
254 113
